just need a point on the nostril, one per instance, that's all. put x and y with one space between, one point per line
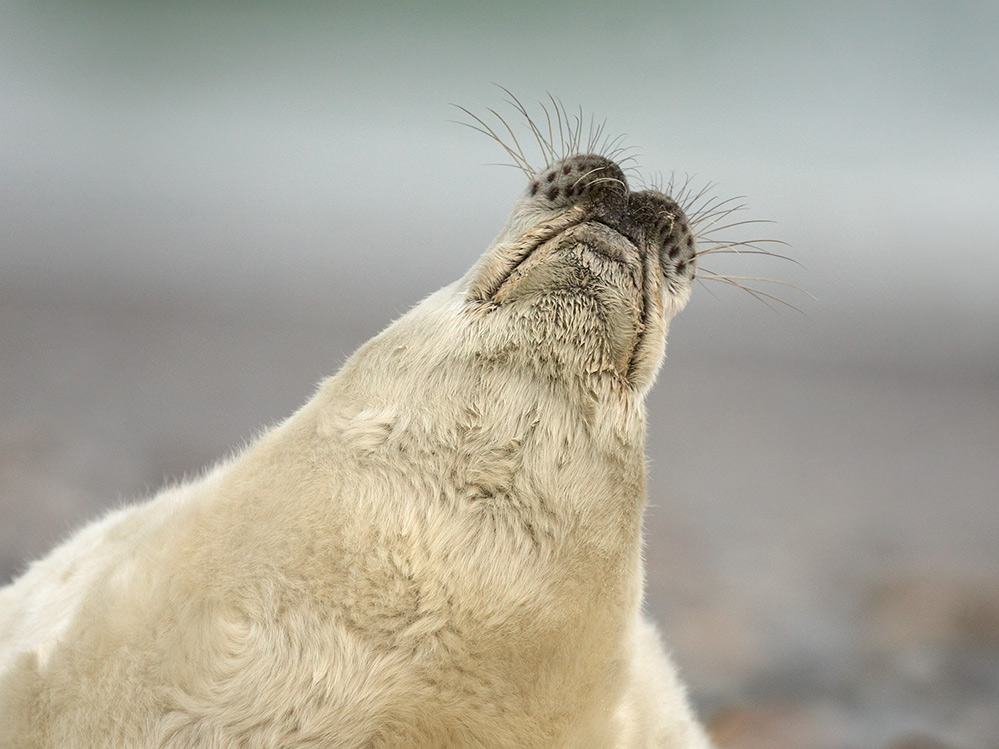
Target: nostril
682 247
593 180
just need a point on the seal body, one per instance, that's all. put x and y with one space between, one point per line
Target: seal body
442 548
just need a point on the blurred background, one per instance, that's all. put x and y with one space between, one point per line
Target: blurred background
205 209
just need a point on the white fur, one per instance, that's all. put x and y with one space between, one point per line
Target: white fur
442 548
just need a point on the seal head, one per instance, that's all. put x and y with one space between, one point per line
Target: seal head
584 260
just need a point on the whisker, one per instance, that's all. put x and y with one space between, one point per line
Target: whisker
712 210
765 280
568 130
713 251
613 146
595 134
705 234
579 129
520 150
657 180
687 206
503 163
513 155
758 293
705 287
561 132
601 133
715 203
759 296
733 248
647 183
597 181
546 149
484 128
620 154
608 179
745 242
632 170
681 197
584 175
551 133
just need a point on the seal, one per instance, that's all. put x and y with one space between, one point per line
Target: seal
442 548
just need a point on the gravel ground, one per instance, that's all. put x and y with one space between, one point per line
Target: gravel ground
823 545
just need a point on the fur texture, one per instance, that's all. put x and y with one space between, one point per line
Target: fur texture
442 548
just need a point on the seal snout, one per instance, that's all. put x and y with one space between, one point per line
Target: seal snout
654 220
582 178
651 220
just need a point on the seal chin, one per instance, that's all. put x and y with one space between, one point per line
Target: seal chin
616 265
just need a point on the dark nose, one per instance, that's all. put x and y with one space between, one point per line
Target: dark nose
655 220
583 178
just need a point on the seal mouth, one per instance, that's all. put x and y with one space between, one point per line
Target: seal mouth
506 258
579 234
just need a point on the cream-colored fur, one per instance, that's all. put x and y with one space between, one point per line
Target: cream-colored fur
442 548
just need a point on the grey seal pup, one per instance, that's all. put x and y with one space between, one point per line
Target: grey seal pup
442 548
